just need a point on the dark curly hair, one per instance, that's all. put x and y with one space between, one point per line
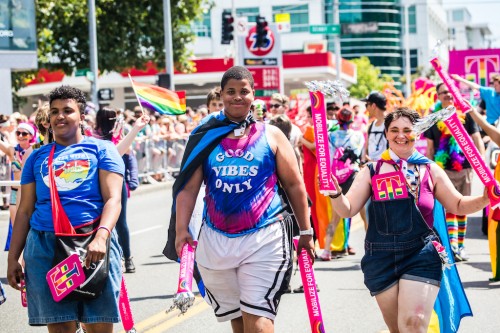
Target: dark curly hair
237 73
404 111
68 92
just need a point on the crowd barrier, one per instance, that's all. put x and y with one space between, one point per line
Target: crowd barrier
5 190
158 159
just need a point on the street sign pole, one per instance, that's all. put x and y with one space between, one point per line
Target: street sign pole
168 35
93 52
407 52
235 39
336 38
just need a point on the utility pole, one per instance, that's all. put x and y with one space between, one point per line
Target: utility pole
169 56
407 51
93 53
336 39
236 35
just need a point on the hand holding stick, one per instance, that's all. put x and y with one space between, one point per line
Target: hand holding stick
184 298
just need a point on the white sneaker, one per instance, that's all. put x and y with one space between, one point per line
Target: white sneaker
462 254
326 255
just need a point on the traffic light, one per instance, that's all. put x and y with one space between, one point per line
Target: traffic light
261 29
227 28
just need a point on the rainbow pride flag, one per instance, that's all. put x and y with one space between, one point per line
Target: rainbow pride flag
159 99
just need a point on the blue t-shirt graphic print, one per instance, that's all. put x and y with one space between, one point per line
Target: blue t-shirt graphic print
76 173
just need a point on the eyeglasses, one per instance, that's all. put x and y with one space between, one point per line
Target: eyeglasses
444 92
274 106
23 134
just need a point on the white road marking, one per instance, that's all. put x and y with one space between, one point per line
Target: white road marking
141 231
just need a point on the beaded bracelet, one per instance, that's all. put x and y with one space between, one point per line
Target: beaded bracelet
335 196
105 228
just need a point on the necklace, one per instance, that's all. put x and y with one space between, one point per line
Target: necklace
225 146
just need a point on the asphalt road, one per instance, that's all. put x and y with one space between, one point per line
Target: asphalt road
345 302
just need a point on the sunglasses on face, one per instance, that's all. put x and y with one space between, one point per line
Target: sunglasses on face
276 106
23 134
444 92
368 104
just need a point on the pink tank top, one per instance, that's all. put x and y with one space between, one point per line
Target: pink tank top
426 198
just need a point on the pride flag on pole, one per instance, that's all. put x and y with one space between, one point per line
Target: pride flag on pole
161 100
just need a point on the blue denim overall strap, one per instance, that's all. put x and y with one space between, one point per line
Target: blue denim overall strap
394 225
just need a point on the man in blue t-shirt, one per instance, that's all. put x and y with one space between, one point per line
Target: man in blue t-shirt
491 96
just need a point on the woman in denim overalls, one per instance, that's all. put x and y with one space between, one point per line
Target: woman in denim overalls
402 269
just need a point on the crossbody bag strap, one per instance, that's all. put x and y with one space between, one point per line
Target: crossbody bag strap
59 217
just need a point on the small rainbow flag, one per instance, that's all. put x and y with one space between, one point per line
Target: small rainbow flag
161 100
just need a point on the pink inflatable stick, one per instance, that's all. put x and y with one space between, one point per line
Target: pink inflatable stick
125 310
310 292
450 83
24 299
184 298
65 277
318 112
476 161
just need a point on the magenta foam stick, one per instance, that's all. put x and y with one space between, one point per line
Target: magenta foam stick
310 292
318 112
476 161
184 298
125 310
450 83
24 299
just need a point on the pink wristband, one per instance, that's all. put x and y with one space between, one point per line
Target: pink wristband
105 228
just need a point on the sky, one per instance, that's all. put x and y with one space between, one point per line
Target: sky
482 11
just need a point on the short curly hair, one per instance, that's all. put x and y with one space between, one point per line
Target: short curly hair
405 112
237 73
68 92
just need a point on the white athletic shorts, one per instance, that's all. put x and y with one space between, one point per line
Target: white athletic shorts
247 273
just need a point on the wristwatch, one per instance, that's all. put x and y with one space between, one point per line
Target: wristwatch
308 232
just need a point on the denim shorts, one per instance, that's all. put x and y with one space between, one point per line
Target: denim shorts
43 310
384 268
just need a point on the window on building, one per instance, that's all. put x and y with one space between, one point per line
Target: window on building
202 28
299 16
250 13
457 15
413 61
412 19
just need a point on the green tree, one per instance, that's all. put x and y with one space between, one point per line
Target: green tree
369 78
130 33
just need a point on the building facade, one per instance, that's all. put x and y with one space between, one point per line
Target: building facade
464 35
375 29
385 46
